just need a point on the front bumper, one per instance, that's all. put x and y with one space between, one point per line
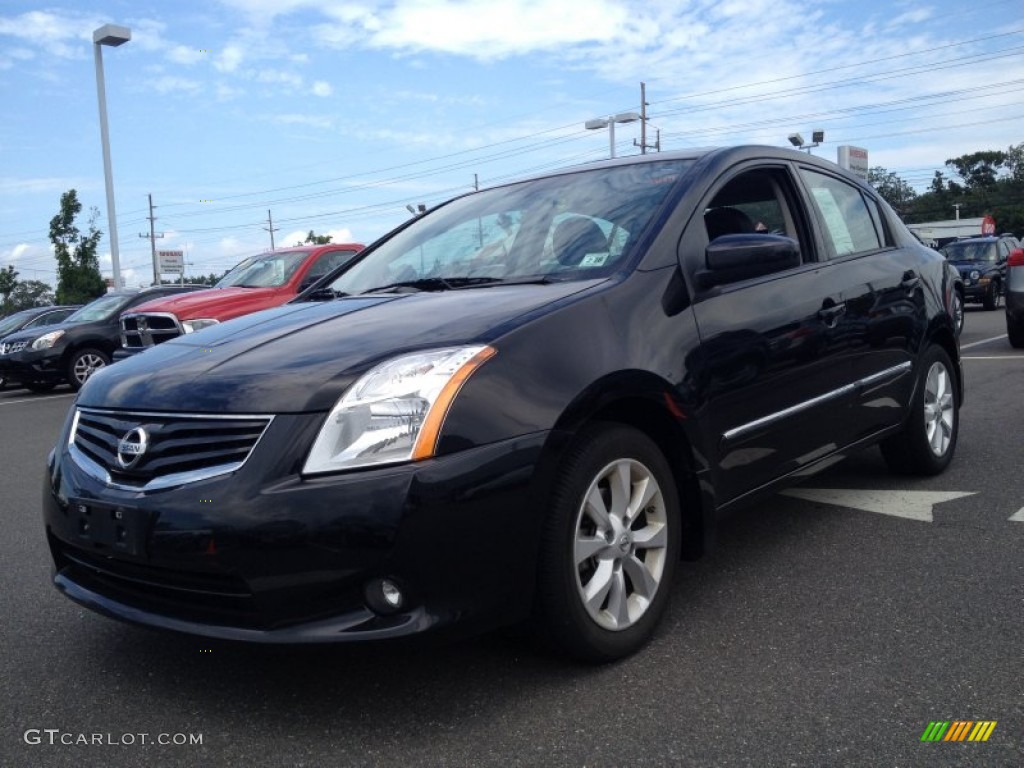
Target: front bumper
32 366
265 555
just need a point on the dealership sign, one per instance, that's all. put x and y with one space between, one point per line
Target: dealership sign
854 159
171 261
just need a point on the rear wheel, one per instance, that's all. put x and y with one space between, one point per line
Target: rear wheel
928 440
83 364
610 545
1015 333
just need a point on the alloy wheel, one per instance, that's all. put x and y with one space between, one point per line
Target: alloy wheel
938 409
620 544
86 365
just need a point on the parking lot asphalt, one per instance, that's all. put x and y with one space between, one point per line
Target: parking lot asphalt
829 628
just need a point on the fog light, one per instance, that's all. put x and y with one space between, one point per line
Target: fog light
384 596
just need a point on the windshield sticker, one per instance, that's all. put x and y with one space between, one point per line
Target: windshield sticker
594 260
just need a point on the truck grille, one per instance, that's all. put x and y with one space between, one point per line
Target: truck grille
142 330
147 450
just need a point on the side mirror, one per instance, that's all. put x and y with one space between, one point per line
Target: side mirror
731 258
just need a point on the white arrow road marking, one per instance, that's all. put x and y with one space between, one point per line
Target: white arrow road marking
913 505
1017 517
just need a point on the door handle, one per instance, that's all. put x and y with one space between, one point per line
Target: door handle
830 315
910 281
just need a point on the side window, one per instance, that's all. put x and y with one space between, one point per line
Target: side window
755 202
327 262
848 223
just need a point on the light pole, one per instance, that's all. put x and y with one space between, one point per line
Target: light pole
112 35
817 136
609 123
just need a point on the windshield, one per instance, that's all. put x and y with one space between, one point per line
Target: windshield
970 252
12 322
572 227
265 270
100 309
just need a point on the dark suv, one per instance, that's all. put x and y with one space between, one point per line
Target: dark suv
35 317
71 351
530 402
981 262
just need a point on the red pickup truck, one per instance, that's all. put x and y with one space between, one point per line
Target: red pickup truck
259 282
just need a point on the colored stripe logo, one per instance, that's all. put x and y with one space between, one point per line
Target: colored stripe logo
958 730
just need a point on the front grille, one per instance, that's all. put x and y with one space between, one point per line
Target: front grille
141 330
141 449
11 347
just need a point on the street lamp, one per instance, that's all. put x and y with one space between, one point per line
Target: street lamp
112 35
609 123
797 140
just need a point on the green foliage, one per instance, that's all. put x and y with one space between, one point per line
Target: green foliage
314 239
896 192
8 282
78 271
31 293
993 184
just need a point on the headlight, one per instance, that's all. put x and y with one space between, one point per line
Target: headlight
975 274
47 341
394 412
191 326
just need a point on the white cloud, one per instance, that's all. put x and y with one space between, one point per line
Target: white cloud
278 76
230 58
181 54
313 121
66 36
172 84
322 88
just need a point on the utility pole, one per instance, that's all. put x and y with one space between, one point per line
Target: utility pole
476 182
270 228
957 206
644 146
152 241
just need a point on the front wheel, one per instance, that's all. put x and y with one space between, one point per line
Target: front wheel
83 364
992 297
958 312
928 440
610 546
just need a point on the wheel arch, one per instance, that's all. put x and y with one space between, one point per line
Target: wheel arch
647 403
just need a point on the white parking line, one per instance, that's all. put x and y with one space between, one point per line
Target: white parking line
983 341
34 399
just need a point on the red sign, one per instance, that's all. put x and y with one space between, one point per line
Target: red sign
988 226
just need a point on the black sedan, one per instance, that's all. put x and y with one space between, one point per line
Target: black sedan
34 317
531 401
40 358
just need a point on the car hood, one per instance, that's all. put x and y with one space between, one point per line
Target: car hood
213 302
968 265
301 357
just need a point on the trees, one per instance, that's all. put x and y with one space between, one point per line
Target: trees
78 270
8 282
314 239
897 192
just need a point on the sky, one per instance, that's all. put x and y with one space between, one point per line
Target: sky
334 115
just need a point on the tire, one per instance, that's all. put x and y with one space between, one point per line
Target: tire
958 313
40 386
1015 333
991 300
587 549
83 364
928 440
